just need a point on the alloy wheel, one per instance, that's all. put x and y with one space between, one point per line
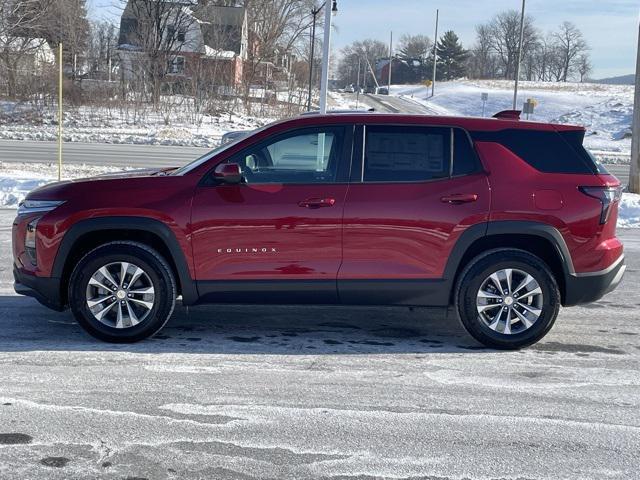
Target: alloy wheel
509 301
120 295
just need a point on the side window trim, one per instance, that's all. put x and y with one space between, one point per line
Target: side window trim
451 151
364 148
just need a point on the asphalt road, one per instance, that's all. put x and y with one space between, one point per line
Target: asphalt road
99 153
392 104
233 392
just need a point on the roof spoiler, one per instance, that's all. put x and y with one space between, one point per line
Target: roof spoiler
508 115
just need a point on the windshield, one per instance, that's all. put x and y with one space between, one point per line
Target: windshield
216 151
200 160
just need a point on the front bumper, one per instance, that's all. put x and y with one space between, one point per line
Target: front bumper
45 290
589 287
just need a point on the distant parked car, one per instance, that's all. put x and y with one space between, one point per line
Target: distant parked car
382 91
369 90
234 135
349 89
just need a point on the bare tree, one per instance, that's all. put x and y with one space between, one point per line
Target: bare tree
368 50
17 17
157 31
275 26
21 21
412 47
483 62
570 45
583 66
504 34
103 39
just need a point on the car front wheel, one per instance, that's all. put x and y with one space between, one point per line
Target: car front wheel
507 299
122 292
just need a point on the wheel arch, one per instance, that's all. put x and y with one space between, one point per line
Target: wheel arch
539 239
88 234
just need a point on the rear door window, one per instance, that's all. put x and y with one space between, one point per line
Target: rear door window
406 154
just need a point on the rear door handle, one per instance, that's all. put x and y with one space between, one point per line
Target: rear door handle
317 202
458 198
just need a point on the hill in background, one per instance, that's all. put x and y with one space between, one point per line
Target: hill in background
621 80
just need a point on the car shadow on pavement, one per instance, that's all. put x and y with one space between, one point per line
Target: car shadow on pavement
25 325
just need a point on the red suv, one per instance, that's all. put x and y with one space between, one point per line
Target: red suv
502 219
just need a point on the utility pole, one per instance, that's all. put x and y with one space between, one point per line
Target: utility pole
326 48
390 63
314 12
519 59
634 174
109 57
60 112
358 85
435 56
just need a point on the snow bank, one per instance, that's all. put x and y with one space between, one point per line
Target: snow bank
629 211
16 180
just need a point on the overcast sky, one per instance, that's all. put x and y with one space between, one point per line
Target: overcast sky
609 26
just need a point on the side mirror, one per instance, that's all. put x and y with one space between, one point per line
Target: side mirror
230 173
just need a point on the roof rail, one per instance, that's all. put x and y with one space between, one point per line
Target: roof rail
338 111
508 115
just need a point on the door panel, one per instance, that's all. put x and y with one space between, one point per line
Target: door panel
279 234
260 232
407 231
416 194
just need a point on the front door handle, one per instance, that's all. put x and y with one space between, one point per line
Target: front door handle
317 202
459 198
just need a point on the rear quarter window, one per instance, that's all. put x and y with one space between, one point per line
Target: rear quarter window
546 151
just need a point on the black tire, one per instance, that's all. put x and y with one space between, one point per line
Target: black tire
474 275
158 273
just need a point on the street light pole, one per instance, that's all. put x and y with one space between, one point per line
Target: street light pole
519 59
634 174
314 12
324 80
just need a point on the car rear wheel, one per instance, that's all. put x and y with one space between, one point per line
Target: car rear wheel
122 292
507 299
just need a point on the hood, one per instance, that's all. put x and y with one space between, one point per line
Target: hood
61 190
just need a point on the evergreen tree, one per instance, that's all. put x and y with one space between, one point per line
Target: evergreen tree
452 57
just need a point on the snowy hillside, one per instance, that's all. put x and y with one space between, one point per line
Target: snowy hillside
605 110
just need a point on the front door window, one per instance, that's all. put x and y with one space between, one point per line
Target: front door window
305 157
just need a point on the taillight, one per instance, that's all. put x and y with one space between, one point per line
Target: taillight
607 196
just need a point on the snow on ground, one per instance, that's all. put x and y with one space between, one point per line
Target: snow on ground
16 180
605 110
629 211
102 125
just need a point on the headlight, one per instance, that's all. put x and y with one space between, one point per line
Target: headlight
30 240
37 206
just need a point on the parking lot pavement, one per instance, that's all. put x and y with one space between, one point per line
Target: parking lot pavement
232 392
